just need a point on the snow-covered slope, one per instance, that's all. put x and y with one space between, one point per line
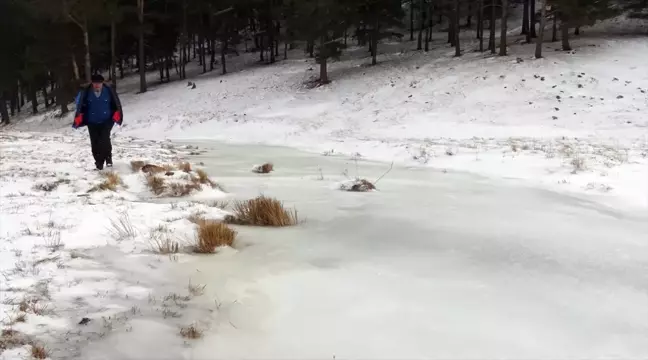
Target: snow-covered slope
572 121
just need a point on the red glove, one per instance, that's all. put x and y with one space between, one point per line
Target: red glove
78 120
117 117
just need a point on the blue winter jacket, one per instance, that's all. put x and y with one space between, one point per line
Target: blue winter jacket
97 110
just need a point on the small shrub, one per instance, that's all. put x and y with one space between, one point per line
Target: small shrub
161 242
111 181
578 164
196 217
180 189
10 338
211 235
38 351
196 290
221 204
191 332
203 178
263 169
262 211
156 184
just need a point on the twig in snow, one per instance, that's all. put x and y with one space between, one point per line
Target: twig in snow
386 172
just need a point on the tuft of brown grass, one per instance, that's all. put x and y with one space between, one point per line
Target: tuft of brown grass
211 235
179 189
191 332
38 351
203 178
21 318
156 184
263 169
184 166
262 211
161 241
137 165
196 217
111 181
10 338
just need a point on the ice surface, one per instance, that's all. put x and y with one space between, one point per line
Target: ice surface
433 265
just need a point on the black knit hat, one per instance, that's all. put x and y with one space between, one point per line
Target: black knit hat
97 78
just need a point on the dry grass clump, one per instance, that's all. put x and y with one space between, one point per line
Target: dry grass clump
137 165
262 211
156 184
184 166
211 235
263 169
10 338
122 228
179 189
110 182
191 332
161 241
38 351
203 178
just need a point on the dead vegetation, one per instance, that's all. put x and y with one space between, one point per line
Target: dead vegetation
137 165
184 166
178 187
38 351
363 185
122 228
10 338
111 181
212 235
161 241
262 211
191 332
263 169
50 186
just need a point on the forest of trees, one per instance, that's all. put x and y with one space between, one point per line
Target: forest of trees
51 47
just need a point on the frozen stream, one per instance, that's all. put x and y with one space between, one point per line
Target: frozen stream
433 265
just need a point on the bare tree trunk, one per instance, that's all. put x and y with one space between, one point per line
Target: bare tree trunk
456 28
212 50
543 21
564 28
504 23
223 50
525 18
430 22
113 55
577 30
532 20
480 26
554 28
142 57
411 20
167 64
75 68
421 24
34 99
4 114
323 71
86 42
374 44
491 39
45 97
184 39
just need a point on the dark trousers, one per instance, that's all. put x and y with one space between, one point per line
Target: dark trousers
100 141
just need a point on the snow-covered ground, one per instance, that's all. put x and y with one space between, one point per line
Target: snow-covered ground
573 123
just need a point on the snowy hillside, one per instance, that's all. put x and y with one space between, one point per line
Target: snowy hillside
571 121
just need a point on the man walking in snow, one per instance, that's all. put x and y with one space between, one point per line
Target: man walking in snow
98 107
